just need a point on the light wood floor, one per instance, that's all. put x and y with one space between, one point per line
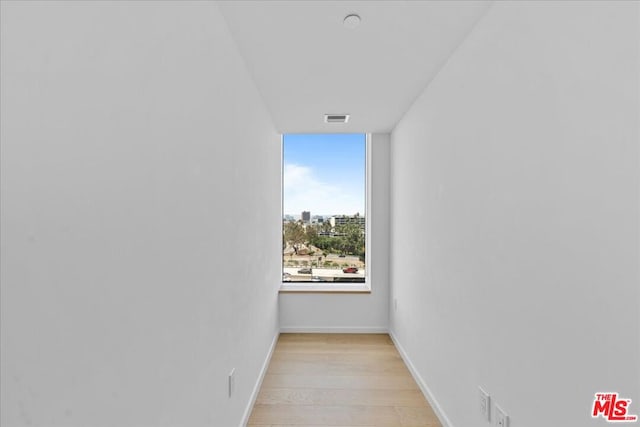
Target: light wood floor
339 380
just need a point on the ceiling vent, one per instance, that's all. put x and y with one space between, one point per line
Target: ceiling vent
336 118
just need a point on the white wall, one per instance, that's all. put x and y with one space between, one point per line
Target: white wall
308 312
515 216
140 189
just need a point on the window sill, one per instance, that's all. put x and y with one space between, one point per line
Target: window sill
303 288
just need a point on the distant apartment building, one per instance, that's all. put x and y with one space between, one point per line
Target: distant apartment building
306 217
345 219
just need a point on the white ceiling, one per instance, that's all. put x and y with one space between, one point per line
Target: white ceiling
306 63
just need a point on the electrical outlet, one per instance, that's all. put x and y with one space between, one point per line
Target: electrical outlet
485 404
232 381
502 419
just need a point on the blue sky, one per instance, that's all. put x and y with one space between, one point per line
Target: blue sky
324 174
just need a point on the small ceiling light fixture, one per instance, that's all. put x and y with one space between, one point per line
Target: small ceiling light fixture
351 21
336 118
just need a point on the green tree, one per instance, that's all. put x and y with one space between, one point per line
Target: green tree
311 234
294 235
353 240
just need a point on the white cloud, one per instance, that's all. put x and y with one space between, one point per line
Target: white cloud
303 191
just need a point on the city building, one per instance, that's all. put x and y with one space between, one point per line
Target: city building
345 219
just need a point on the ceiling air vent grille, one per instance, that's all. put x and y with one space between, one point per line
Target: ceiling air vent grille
336 118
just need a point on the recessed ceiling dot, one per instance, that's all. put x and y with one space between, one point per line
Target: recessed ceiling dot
351 21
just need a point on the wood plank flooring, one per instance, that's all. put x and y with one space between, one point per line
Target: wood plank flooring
344 380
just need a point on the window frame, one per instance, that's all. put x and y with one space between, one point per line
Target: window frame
343 287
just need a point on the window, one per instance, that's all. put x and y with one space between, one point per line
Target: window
324 221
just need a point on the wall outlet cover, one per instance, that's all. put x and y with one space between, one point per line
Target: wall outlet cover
232 381
502 419
485 404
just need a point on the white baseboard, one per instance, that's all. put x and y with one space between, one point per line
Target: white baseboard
444 420
256 388
334 330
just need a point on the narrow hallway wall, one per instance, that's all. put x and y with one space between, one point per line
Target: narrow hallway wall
515 216
140 216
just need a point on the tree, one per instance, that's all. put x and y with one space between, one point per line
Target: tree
353 240
311 234
294 235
